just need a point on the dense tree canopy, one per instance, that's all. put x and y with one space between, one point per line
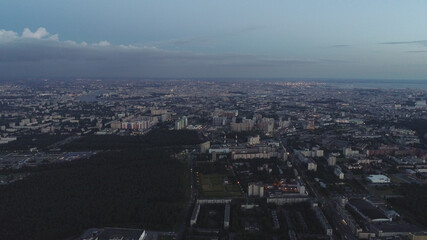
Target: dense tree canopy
127 188
415 201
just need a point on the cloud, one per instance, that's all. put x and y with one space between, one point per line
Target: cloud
102 44
54 37
41 53
38 34
7 35
419 42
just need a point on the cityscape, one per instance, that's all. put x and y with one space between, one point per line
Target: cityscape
213 120
255 159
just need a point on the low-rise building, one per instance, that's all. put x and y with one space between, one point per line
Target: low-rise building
378 179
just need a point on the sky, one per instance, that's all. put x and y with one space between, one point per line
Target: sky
338 39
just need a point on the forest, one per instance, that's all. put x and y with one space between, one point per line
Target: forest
140 187
415 201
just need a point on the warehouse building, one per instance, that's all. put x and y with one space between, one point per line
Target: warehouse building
378 179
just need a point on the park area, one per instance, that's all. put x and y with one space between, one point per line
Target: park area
213 186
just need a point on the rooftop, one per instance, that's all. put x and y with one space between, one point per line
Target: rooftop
367 209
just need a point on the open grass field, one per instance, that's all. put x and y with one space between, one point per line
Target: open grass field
212 186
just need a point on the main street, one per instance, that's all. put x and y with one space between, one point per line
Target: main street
326 204
193 198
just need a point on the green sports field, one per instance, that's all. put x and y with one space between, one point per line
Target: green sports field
212 186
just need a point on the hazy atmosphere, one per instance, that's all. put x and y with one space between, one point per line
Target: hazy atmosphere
220 120
301 39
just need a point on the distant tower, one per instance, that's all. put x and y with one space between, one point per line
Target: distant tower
301 188
256 189
213 156
332 161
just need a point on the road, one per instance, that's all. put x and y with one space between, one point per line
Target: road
193 198
326 203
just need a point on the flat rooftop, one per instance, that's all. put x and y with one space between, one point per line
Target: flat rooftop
367 209
390 227
120 234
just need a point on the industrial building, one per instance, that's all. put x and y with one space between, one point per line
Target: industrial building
368 211
378 179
